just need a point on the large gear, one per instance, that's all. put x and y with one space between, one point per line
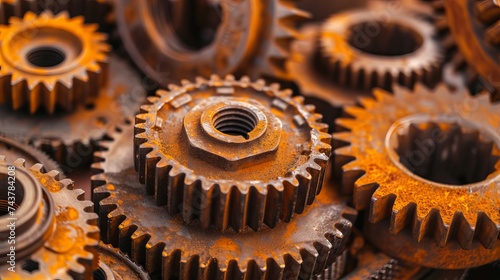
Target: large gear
252 38
231 152
12 148
131 220
51 60
70 138
56 236
352 53
403 148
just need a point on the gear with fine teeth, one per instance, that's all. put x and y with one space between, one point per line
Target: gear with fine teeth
373 47
428 161
246 37
48 61
165 244
231 153
56 233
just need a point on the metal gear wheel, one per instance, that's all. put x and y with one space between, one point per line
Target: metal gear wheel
231 153
48 61
248 37
94 11
402 148
358 49
56 236
70 138
11 148
131 220
114 265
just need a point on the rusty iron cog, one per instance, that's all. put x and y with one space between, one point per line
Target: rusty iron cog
56 230
165 244
230 152
251 38
114 265
48 61
428 161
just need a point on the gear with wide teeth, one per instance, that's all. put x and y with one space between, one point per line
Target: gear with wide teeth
231 153
94 11
51 61
243 40
70 138
114 265
131 221
401 149
364 49
56 233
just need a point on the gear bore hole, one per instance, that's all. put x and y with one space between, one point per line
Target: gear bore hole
235 121
384 39
447 153
46 56
5 182
30 266
103 272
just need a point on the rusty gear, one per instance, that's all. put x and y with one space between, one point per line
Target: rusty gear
51 60
131 220
353 54
231 152
11 148
114 265
449 139
252 38
71 138
56 232
94 11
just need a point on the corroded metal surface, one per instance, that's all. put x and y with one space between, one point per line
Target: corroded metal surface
56 232
12 148
231 153
427 161
252 38
114 265
48 61
166 244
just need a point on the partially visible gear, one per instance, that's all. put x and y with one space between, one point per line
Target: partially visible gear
429 162
335 270
56 236
51 61
70 138
131 220
114 265
94 11
231 153
248 37
11 148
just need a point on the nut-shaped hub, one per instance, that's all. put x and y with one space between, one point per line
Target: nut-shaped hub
232 133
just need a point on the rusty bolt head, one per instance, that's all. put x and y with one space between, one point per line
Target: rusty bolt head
232 133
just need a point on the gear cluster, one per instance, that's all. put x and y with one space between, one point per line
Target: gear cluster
249 139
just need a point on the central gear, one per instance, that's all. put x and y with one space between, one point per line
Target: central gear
252 38
429 162
231 152
51 60
165 244
56 233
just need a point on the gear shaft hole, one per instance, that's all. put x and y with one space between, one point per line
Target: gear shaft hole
46 57
384 38
5 182
235 121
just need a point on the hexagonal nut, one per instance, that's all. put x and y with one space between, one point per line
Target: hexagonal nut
232 133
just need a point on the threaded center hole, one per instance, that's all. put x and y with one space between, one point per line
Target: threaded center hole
46 57
384 39
6 195
235 121
448 153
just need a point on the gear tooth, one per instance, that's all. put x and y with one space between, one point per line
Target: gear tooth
382 95
487 231
54 174
36 167
401 216
19 162
465 232
293 263
2 159
30 16
346 123
381 206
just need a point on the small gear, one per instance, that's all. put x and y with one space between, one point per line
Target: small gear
51 60
70 138
94 11
56 236
11 148
403 148
231 152
114 265
249 37
367 48
131 221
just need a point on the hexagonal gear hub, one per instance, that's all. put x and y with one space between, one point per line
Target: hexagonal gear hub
231 152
